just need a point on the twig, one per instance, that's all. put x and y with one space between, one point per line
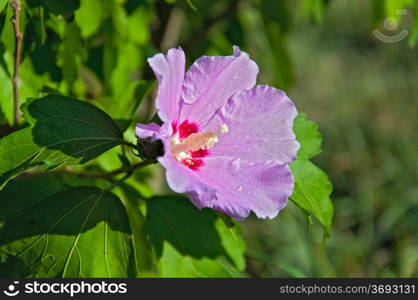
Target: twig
115 183
17 7
127 170
108 175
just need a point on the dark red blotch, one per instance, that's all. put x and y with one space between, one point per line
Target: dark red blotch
184 130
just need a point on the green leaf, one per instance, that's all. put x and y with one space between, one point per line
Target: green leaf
6 87
413 38
192 243
312 191
192 6
71 54
65 8
83 16
63 120
127 64
139 237
30 83
80 232
3 4
308 136
378 11
20 191
138 25
314 10
7 36
64 130
128 100
394 6
18 152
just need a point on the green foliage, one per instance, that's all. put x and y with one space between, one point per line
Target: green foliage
56 7
87 24
81 221
308 135
53 236
49 232
312 191
63 130
312 188
178 244
414 34
3 4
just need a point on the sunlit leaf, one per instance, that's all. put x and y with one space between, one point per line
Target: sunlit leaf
7 36
83 16
80 232
312 191
3 4
191 243
308 136
71 54
64 130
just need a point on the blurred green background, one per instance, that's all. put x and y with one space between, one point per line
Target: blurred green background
361 90
363 93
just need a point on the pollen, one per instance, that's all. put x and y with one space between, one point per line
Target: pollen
224 129
185 149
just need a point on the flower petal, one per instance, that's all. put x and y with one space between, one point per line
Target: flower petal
182 179
169 70
242 187
260 127
151 130
212 80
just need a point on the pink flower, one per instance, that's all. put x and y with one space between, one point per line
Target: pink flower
227 141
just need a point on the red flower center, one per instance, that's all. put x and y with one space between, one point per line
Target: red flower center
189 146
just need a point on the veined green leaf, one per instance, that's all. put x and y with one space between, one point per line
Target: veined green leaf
64 130
80 232
312 191
312 187
308 136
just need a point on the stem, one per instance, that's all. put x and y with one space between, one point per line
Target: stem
17 7
108 175
115 183
129 144
127 170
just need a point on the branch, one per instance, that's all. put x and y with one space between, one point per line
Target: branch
17 7
108 175
127 170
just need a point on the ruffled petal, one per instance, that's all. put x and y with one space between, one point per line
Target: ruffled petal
150 130
169 70
212 80
242 187
260 127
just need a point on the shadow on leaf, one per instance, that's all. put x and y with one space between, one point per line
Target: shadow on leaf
191 231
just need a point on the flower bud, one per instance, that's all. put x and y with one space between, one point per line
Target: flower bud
149 149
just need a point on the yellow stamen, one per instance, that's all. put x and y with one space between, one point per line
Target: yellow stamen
196 141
